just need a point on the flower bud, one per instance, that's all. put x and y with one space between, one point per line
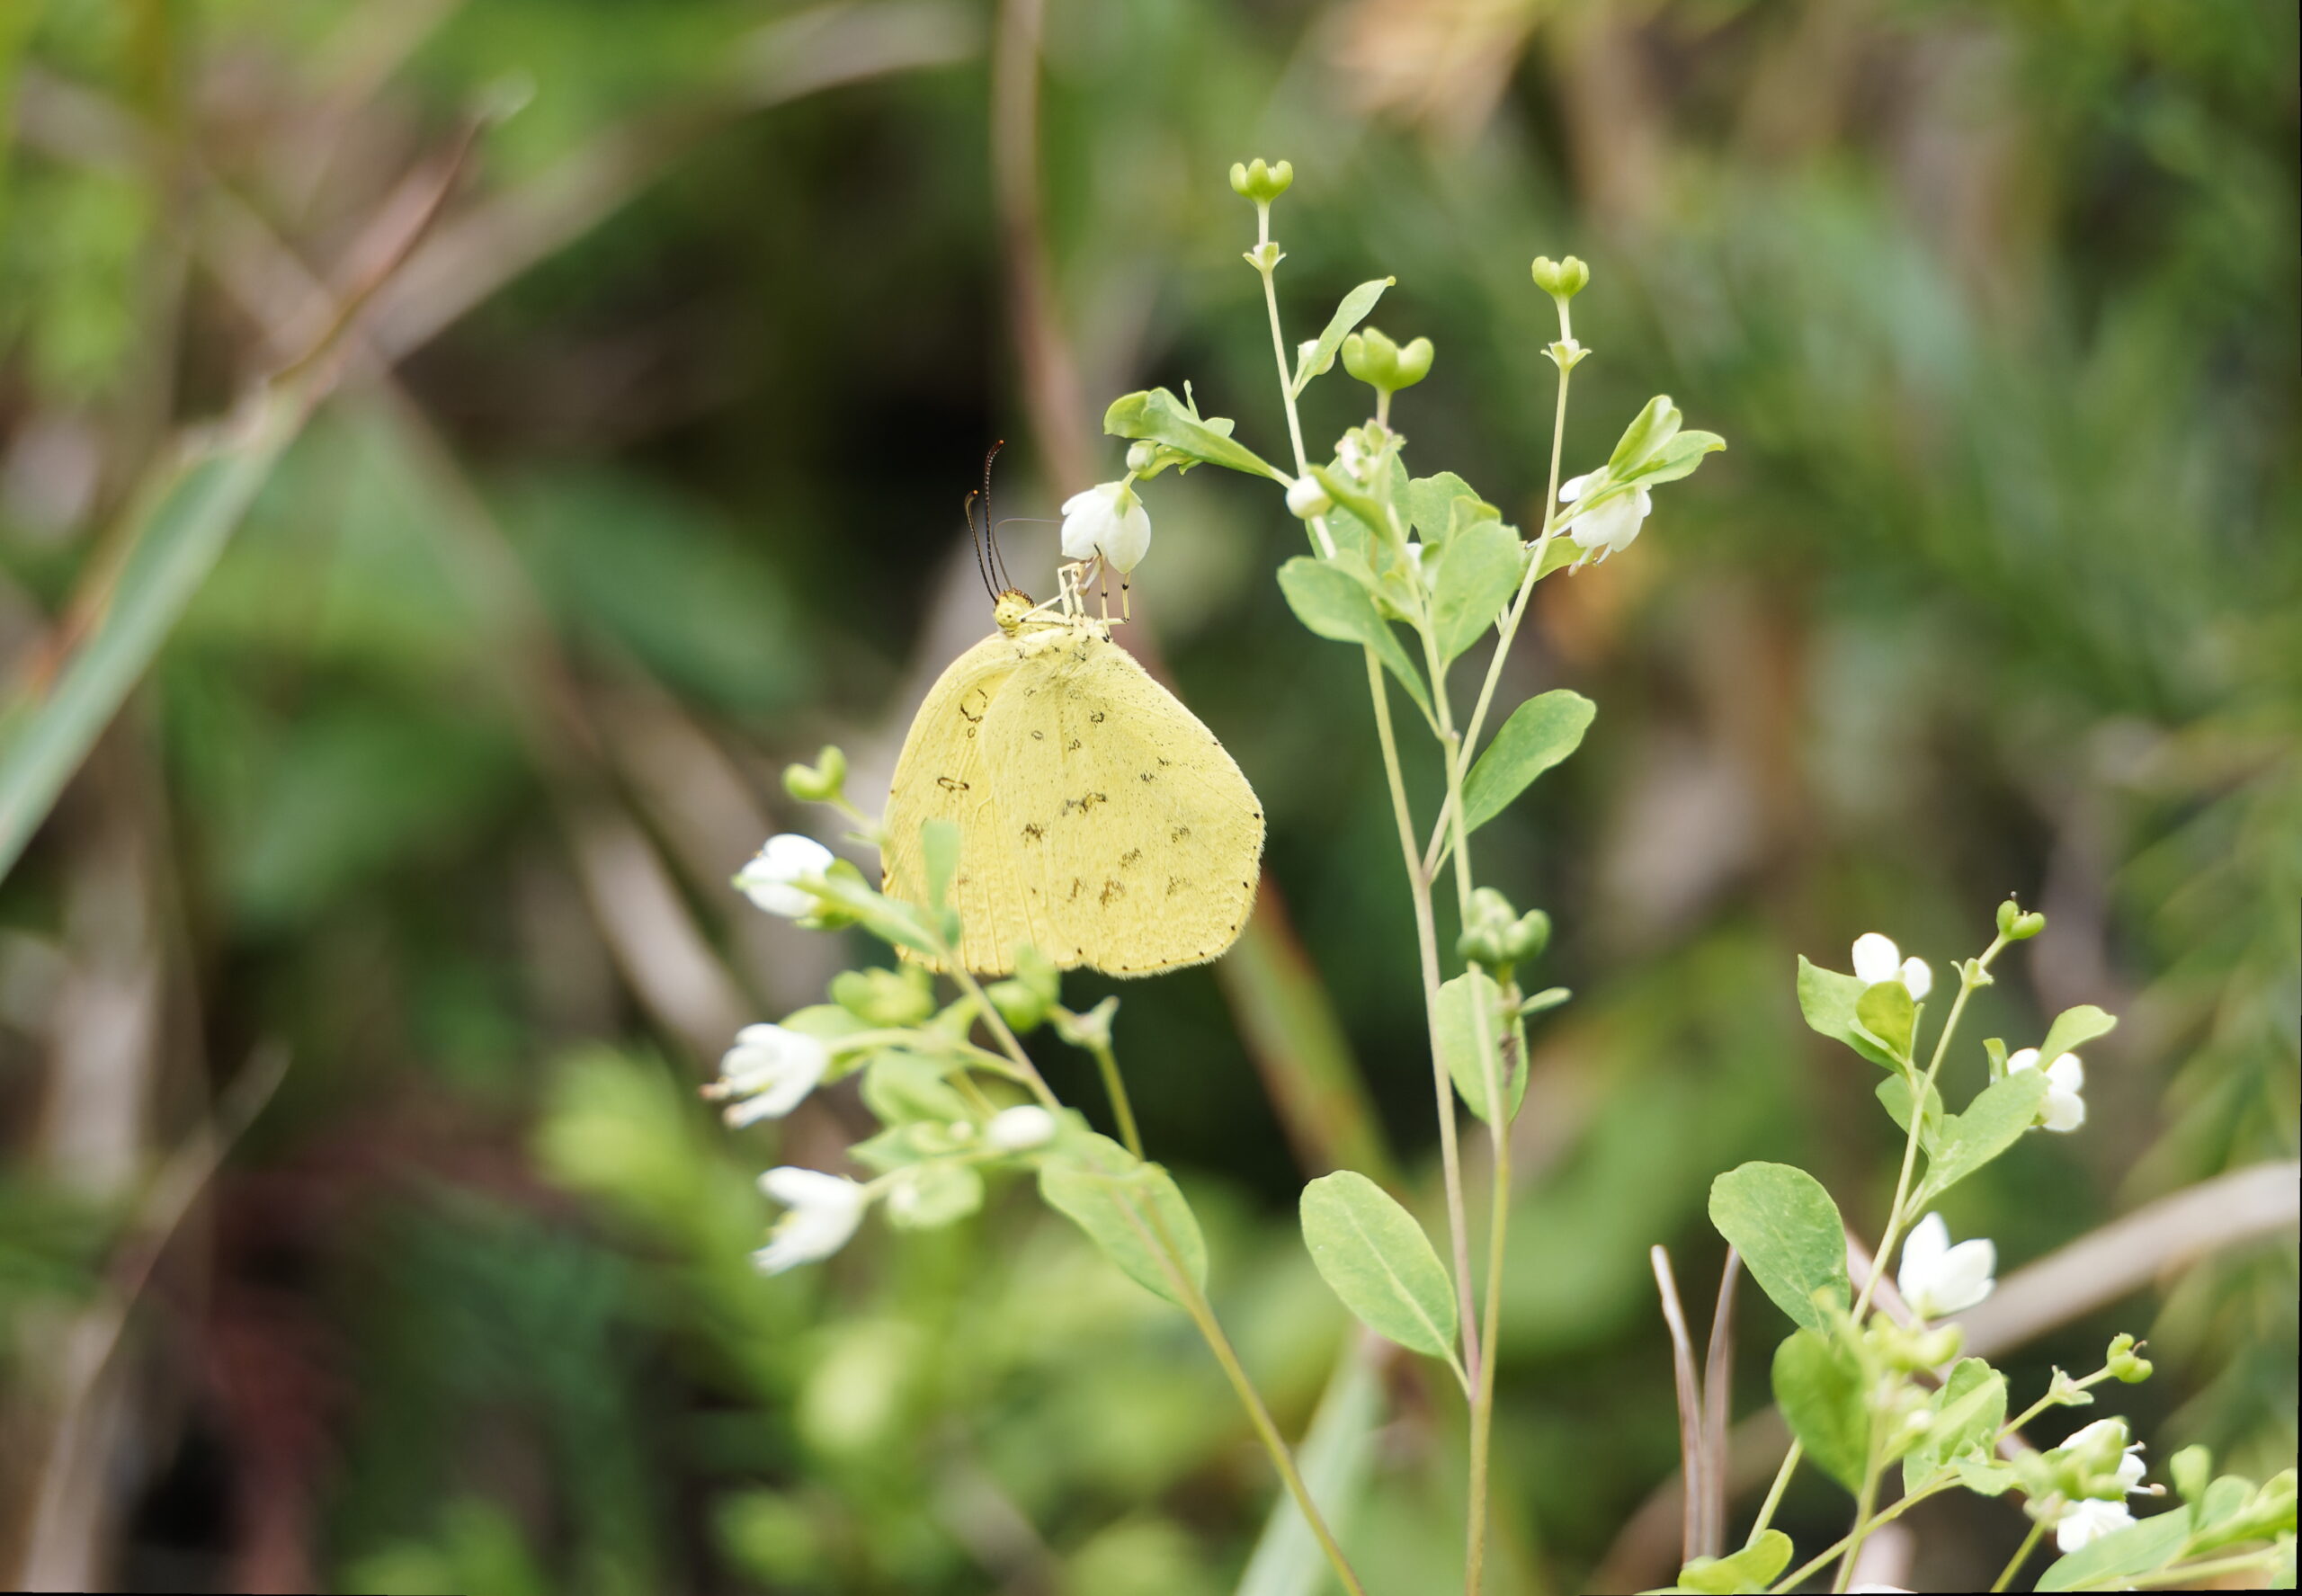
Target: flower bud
1142 455
883 997
1561 279
1383 365
2015 925
1307 497
821 782
2122 1362
1259 180
1265 256
1021 1128
1023 1009
2193 1470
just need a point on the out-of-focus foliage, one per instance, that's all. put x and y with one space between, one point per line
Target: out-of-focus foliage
439 781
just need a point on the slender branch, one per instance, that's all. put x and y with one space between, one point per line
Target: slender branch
1692 1467
1774 1491
2021 1556
1968 979
1122 1109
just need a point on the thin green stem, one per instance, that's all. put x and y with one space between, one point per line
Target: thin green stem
1025 1070
1122 1109
1153 1231
2021 1556
1483 1402
1968 979
1774 1491
1804 1571
1864 1500
1279 339
2022 1419
1427 944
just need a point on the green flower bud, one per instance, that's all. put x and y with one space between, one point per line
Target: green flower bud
1561 279
1383 365
2015 925
1488 925
1261 182
2193 1470
1528 937
886 998
2122 1363
1018 1004
822 782
1090 1030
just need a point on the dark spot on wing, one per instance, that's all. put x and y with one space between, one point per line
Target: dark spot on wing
1037 833
1147 775
1111 889
973 704
1176 834
1096 715
1038 736
951 784
1072 746
1174 885
1077 886
1130 856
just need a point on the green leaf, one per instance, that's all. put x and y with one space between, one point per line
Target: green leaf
1431 506
2142 1547
2072 1029
1886 1011
1790 1235
902 1087
1163 418
929 1196
1348 315
1753 1568
1369 509
1131 1210
1967 1414
1893 1092
1991 1478
172 533
1818 1385
1460 1003
1563 552
1995 1121
939 844
1331 603
1478 574
1828 1000
1376 1258
1674 459
1648 431
1539 734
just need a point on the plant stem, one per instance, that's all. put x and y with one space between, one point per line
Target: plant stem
1153 1231
2184 1573
1967 982
1277 338
1026 1071
1427 942
2021 1556
1122 1109
1798 1575
1774 1491
1864 1500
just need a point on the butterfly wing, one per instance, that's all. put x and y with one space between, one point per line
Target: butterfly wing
943 774
1139 841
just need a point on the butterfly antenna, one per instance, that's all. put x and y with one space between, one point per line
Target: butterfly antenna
990 532
974 540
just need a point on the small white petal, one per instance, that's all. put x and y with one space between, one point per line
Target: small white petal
825 1209
2087 1522
2021 1058
768 880
1306 498
1021 1128
1917 977
1938 1279
1572 489
1875 958
2064 1108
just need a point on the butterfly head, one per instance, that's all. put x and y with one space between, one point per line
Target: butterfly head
1010 609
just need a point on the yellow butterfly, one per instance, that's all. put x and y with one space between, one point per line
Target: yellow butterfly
1098 820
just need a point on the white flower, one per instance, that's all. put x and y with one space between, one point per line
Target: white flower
767 1072
2104 1434
1352 454
1917 979
2086 1523
1613 525
1875 958
1108 520
825 1209
768 880
1021 1128
1306 498
1937 1279
2064 1108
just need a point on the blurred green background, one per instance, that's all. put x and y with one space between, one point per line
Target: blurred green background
644 479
